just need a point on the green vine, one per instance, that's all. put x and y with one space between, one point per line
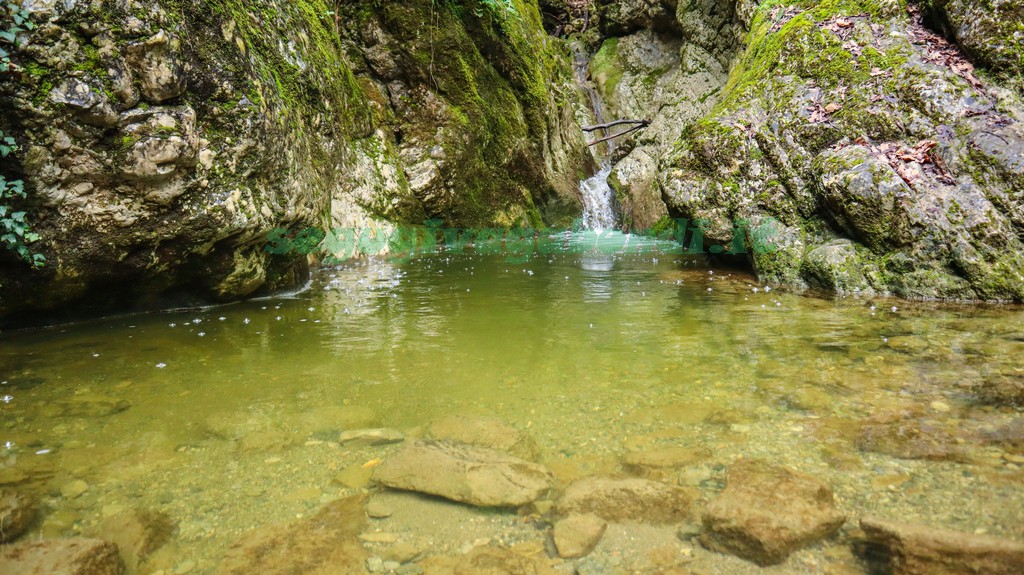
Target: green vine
15 233
15 21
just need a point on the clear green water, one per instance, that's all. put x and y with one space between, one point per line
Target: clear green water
232 411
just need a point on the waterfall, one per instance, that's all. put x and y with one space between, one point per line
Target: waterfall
598 201
598 198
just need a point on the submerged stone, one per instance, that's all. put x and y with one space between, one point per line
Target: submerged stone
17 512
138 534
767 512
909 549
577 535
324 543
485 431
489 560
617 499
474 475
71 556
368 437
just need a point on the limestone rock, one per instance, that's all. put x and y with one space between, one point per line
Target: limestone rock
473 475
626 16
617 499
366 437
72 556
156 65
767 512
485 431
89 104
577 535
17 512
920 550
916 196
324 543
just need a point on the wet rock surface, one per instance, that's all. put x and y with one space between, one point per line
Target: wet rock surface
909 549
365 437
72 556
489 560
139 536
661 464
577 535
17 512
473 475
325 542
767 512
618 499
484 431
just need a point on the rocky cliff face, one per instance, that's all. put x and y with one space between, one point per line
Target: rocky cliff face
867 147
162 141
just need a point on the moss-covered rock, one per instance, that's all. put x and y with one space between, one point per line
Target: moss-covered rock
162 141
849 121
480 100
990 31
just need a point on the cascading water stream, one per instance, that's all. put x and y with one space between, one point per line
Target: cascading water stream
598 201
598 198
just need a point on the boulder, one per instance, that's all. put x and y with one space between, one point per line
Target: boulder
485 431
324 543
577 535
71 556
17 511
767 512
910 549
473 475
618 499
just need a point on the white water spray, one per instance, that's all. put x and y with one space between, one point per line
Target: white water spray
598 201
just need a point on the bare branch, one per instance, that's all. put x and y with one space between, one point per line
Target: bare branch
622 133
641 124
